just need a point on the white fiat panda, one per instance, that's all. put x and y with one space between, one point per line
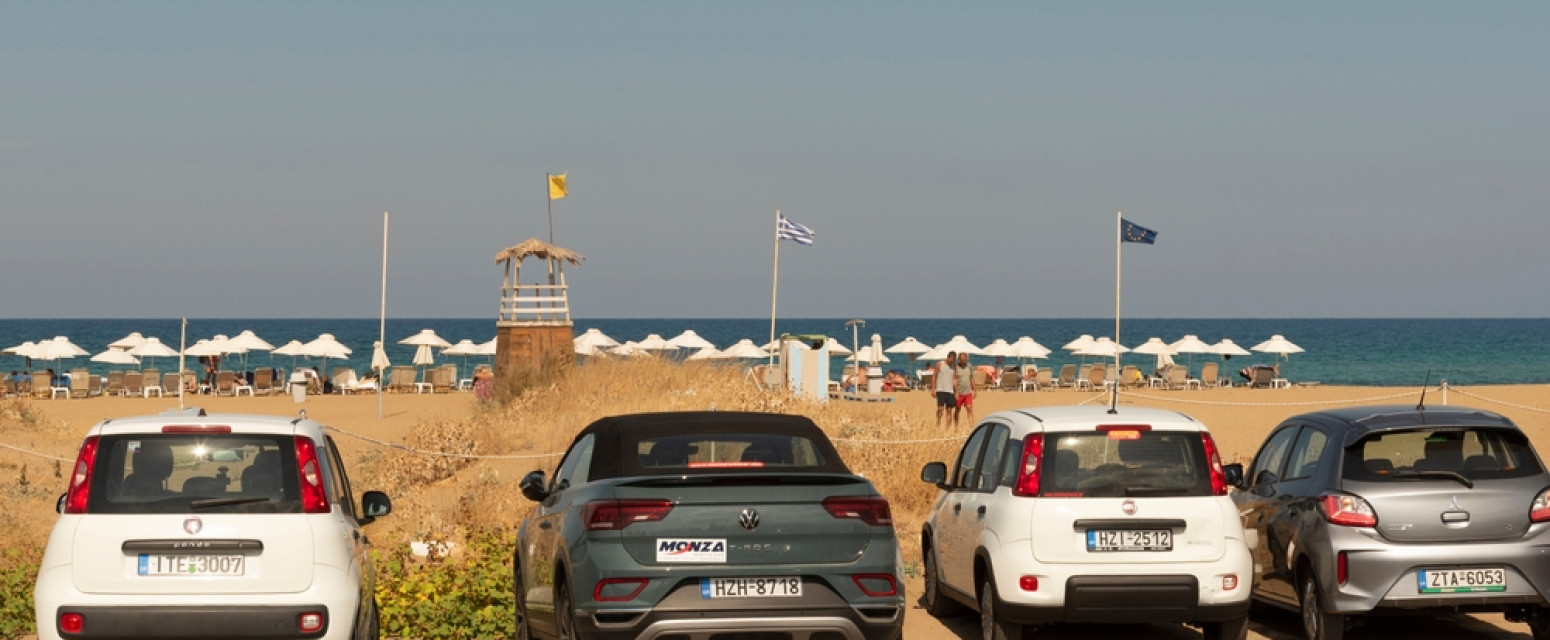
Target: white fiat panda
1076 514
186 525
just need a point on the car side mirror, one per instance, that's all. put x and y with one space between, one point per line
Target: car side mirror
1234 473
375 504
934 473
59 505
532 486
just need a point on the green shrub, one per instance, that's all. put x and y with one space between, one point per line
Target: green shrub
18 572
465 596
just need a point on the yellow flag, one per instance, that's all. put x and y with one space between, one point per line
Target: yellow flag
556 186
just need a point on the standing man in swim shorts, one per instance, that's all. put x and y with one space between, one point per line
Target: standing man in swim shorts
963 385
942 373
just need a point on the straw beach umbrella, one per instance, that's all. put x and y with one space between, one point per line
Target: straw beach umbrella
293 349
1278 345
1157 348
23 350
134 339
593 339
249 341
115 356
325 346
654 342
745 348
465 348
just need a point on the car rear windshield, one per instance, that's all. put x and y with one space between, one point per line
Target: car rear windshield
727 451
1440 453
1124 463
194 473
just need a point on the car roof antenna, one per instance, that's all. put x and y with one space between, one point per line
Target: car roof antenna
1421 406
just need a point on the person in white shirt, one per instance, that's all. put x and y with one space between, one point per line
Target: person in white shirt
942 373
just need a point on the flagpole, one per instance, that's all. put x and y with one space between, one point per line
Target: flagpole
1118 251
182 346
382 318
774 288
548 191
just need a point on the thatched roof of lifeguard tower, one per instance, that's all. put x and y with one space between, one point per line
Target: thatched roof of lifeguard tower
540 249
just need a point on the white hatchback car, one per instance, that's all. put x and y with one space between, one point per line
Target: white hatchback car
186 525
1075 514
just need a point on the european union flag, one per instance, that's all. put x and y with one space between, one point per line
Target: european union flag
1132 232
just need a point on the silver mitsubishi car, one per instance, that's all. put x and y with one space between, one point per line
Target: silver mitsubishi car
1398 509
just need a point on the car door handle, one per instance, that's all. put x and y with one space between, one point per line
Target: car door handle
982 510
958 507
544 524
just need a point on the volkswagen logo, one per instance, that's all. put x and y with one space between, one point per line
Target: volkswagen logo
193 525
749 519
1129 507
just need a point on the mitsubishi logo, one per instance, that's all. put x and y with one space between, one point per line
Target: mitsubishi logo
749 519
193 525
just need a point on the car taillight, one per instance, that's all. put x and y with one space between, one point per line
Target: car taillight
876 585
1346 509
72 623
1218 476
609 515
80 478
1028 474
1539 510
873 510
196 428
314 499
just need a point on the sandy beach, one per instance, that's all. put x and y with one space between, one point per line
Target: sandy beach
1238 417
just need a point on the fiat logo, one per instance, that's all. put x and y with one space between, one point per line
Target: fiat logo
1129 507
193 525
749 519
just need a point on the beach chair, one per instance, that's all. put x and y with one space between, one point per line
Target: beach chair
1209 376
1175 377
1011 380
1263 378
96 385
342 377
445 378
185 383
1130 376
1097 377
263 381
225 383
115 385
240 384
1196 382
980 381
80 383
153 384
1067 376
133 384
401 379
7 387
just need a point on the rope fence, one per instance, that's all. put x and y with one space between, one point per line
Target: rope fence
877 441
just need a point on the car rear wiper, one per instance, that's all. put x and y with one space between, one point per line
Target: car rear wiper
1437 475
222 502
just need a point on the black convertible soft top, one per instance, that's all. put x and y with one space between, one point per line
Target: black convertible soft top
616 450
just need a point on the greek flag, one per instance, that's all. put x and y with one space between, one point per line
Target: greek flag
788 230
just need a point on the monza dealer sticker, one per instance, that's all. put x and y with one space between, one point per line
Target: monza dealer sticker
691 550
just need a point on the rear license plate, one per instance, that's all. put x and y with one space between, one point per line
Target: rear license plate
190 565
1461 580
1129 540
771 587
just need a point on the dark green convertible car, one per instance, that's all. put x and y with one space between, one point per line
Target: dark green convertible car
691 525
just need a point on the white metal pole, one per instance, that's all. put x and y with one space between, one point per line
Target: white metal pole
382 317
1118 250
182 346
774 288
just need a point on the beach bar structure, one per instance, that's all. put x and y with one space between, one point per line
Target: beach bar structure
534 326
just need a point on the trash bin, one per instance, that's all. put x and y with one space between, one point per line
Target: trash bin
298 387
874 383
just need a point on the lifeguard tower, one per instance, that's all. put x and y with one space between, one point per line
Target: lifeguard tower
534 327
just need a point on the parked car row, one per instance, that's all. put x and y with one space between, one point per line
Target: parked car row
1081 514
699 525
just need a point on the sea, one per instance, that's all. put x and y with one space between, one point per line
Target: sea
1363 352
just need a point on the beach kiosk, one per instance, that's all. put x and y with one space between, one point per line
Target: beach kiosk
805 369
534 326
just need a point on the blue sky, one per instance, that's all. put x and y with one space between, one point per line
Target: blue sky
164 159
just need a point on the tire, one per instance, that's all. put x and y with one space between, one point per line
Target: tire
1317 622
1539 623
564 613
933 600
1235 629
521 630
993 626
373 623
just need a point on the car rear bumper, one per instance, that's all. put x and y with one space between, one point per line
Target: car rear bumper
823 623
1143 598
113 623
1385 575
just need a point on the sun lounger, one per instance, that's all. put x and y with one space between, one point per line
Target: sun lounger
225 383
263 381
1208 375
153 384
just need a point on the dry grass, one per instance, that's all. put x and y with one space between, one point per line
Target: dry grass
443 498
